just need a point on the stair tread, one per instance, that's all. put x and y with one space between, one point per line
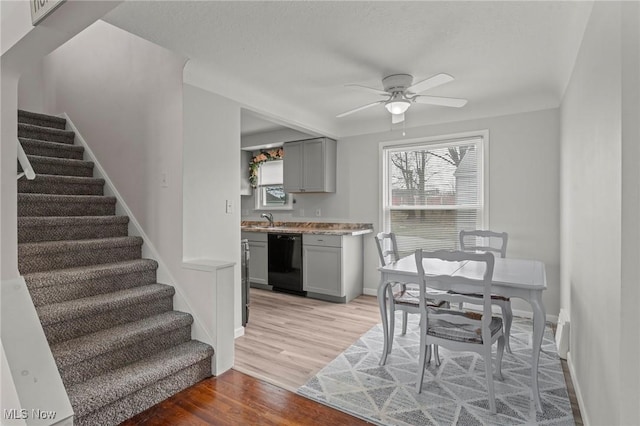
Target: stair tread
81 273
65 311
99 391
59 161
51 130
40 116
80 180
45 247
60 198
50 144
34 221
85 347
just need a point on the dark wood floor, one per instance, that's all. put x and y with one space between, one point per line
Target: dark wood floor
234 398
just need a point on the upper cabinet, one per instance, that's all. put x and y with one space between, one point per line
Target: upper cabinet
310 165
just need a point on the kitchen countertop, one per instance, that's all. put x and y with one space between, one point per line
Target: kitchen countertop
322 228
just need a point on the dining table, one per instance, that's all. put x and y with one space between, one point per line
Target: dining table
513 278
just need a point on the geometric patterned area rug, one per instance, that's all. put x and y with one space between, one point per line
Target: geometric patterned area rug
453 393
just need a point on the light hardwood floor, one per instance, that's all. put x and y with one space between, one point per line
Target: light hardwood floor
289 338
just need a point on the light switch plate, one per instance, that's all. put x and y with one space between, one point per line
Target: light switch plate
229 207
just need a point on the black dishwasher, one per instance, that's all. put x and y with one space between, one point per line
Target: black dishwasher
285 263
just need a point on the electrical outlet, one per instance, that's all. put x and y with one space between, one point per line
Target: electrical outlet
318 212
229 207
301 213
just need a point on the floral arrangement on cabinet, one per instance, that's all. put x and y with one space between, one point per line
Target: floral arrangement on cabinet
262 157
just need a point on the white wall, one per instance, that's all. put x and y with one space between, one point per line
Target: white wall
524 172
15 17
211 177
630 271
597 223
125 96
31 89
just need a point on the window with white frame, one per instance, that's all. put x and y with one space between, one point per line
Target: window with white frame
432 189
270 193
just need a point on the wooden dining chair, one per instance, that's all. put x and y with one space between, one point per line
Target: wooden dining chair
494 242
401 296
458 330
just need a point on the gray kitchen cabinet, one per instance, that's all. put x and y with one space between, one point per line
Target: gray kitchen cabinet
310 165
259 258
332 266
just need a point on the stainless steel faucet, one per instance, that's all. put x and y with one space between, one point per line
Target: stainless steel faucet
269 217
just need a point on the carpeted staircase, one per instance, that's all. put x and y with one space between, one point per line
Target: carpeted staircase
119 345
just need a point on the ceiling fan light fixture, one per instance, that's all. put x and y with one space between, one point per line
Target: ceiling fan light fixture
397 106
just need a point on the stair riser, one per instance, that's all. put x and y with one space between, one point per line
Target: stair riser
137 402
41 209
59 169
86 288
44 135
149 346
41 122
77 327
59 188
32 148
36 234
74 258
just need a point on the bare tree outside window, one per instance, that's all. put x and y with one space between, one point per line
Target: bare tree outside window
433 194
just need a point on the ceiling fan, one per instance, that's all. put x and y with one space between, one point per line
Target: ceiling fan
401 93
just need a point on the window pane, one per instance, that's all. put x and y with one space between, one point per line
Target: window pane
273 196
443 176
430 229
432 192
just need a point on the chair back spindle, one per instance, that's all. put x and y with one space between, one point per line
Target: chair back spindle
387 248
469 241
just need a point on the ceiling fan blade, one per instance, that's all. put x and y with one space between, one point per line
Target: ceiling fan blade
360 108
370 89
397 118
438 100
430 83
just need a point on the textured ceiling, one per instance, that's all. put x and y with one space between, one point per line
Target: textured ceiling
506 56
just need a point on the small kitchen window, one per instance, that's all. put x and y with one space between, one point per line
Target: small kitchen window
270 193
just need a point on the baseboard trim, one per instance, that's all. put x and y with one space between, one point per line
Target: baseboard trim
238 332
576 387
370 291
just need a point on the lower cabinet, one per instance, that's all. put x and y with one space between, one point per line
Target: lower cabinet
258 258
332 266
